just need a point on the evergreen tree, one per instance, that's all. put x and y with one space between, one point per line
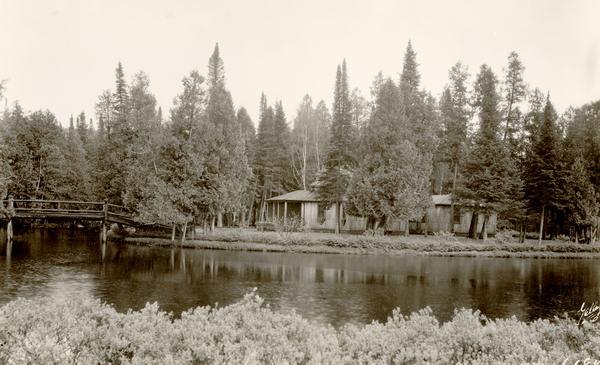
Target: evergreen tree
542 180
410 78
455 116
144 149
112 165
83 129
583 201
249 136
263 163
75 183
514 93
392 180
176 188
335 178
120 102
489 180
282 171
231 170
419 107
34 146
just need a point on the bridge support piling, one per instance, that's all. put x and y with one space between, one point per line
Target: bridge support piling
9 225
104 222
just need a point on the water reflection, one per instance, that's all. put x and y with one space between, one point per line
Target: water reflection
329 288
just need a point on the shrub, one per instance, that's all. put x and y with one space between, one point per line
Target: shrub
87 331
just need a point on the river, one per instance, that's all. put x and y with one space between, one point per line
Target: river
335 289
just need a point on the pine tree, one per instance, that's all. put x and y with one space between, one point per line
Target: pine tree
392 180
410 78
542 168
583 201
514 93
232 170
490 180
335 178
282 172
249 135
113 166
144 149
76 181
263 163
120 102
419 107
455 116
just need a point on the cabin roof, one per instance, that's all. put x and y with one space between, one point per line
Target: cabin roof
297 196
442 199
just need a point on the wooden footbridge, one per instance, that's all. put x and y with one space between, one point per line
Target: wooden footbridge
67 210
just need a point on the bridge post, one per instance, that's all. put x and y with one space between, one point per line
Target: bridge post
104 221
9 225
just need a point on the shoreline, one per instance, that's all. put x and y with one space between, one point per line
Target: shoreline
252 241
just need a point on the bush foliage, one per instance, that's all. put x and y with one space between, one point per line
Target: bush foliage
86 331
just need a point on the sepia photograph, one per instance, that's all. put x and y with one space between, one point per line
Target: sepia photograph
299 182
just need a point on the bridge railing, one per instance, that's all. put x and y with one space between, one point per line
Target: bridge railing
37 205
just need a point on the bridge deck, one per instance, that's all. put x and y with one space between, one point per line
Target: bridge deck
77 210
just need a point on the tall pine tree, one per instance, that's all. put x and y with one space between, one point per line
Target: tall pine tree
335 178
490 181
542 173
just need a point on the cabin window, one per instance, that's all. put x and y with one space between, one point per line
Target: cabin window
456 215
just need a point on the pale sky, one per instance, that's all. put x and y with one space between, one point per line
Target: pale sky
60 55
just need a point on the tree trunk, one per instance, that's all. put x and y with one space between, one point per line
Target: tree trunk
542 225
173 234
220 219
474 223
576 235
484 234
337 217
452 200
407 228
376 224
212 224
522 230
183 233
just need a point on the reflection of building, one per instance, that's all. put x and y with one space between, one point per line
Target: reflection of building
305 205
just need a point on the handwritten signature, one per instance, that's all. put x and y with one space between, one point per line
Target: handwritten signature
589 313
586 361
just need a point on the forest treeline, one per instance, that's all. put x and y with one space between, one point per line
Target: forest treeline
490 140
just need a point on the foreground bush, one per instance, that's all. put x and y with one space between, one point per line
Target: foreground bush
88 332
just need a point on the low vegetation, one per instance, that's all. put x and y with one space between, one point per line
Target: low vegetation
441 244
87 331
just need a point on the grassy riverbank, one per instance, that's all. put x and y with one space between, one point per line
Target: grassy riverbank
84 331
250 240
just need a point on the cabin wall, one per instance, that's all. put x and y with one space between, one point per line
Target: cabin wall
310 213
438 218
462 228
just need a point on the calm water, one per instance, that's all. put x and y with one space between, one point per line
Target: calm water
336 289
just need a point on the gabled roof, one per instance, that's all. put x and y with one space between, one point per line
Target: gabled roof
297 196
442 199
